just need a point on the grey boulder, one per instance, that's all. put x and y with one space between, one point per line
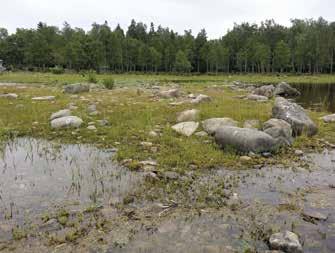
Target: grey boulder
76 88
285 241
280 130
244 140
60 114
66 122
295 115
285 90
211 125
265 90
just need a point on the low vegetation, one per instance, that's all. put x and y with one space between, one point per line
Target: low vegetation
132 113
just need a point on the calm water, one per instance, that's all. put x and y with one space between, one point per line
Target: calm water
37 174
319 97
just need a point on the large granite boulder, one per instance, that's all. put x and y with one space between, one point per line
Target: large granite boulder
186 128
244 140
295 115
211 125
280 130
265 90
285 90
66 122
76 88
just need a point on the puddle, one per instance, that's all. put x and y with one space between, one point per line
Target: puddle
37 174
272 199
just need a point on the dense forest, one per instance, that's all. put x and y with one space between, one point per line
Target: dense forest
307 46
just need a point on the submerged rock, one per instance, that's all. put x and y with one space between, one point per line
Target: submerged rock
188 115
266 90
211 125
200 99
60 114
186 128
295 115
280 130
244 139
76 88
285 241
285 90
66 122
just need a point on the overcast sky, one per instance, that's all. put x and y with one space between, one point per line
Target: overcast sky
215 15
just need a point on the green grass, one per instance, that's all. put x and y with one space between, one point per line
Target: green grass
132 115
49 78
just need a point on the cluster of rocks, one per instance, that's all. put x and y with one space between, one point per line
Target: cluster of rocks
175 93
266 92
288 121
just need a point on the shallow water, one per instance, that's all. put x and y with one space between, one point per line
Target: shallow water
318 97
37 174
272 198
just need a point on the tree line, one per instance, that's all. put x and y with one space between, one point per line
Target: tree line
307 46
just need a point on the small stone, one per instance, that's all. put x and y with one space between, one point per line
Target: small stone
93 128
154 149
188 115
45 98
200 99
103 122
314 215
153 134
266 154
90 123
285 241
146 144
9 95
245 158
201 134
60 114
299 152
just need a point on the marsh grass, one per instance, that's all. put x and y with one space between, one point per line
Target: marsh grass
132 115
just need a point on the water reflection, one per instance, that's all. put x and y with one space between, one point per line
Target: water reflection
318 97
36 174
